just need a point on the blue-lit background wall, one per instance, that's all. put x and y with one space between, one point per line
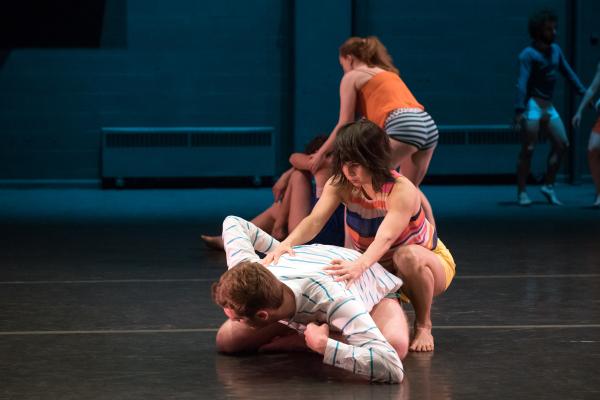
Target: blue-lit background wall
263 63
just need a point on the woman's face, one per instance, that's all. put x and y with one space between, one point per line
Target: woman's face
346 63
356 174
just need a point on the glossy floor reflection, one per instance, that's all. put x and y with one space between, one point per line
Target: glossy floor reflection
106 295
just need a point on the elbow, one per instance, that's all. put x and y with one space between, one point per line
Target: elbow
398 375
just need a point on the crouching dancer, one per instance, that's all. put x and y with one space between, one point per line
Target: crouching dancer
266 304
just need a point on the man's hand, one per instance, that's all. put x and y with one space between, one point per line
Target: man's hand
316 337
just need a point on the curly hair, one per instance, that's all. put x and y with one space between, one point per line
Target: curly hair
247 288
537 21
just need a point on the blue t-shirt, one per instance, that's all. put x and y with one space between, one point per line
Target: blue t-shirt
538 73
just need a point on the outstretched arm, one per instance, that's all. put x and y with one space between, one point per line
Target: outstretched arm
242 239
568 73
587 97
347 109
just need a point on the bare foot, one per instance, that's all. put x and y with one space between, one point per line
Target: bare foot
422 340
214 242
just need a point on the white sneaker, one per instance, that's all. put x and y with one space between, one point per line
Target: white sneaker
548 192
523 199
597 202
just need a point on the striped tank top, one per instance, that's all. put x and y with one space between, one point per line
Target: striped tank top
364 216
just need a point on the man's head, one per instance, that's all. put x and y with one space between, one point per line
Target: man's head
249 293
542 26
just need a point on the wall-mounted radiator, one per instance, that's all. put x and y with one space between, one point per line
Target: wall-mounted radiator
481 150
187 152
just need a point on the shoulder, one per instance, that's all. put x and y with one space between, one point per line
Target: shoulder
527 53
403 192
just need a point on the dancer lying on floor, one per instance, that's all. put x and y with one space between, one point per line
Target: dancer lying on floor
266 306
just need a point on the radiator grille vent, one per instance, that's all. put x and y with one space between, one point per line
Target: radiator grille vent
477 135
230 139
128 140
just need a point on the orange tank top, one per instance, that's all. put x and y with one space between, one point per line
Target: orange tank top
383 93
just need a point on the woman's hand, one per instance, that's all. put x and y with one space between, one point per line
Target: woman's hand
316 337
344 270
316 160
278 189
273 256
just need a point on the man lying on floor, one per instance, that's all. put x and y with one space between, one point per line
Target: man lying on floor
266 306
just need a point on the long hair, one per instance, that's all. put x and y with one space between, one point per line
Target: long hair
247 288
369 50
366 144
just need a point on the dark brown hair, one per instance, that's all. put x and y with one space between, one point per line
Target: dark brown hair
370 51
366 144
537 21
247 288
315 144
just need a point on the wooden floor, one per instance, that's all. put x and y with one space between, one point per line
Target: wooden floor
105 295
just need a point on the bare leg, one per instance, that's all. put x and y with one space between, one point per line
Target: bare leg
299 197
528 139
391 321
263 220
594 162
415 167
424 277
559 141
400 152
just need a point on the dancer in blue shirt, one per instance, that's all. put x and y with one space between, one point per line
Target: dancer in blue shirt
539 65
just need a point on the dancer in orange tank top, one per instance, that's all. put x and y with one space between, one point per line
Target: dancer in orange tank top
372 84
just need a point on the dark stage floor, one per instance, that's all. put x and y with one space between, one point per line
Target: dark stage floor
105 295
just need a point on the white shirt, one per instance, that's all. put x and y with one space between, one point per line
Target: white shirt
320 299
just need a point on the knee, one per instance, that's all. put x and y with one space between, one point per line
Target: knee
400 344
300 176
527 151
406 259
561 147
225 342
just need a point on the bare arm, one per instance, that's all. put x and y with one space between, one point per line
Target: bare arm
311 225
300 161
402 202
347 109
587 97
281 184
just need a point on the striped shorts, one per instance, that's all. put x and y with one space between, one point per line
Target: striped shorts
412 126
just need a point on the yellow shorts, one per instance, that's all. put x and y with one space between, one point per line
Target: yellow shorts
442 252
